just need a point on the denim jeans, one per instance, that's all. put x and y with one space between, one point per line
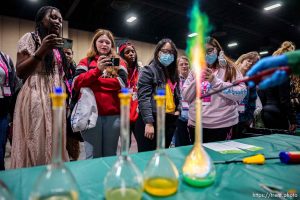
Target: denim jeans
3 139
102 140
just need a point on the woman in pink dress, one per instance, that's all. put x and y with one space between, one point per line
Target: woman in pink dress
42 65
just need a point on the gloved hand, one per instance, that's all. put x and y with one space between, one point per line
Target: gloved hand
266 63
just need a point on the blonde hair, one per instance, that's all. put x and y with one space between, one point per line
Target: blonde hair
285 47
253 55
184 58
92 52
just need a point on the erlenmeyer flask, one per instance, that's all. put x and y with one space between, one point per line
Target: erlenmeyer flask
56 182
160 175
124 181
5 194
198 169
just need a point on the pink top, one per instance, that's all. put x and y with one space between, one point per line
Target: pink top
219 110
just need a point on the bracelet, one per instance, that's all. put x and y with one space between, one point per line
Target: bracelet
37 57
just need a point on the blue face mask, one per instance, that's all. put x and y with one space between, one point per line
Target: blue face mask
166 59
211 59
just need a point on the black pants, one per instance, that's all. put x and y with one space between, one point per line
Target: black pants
145 144
239 130
182 135
273 118
211 135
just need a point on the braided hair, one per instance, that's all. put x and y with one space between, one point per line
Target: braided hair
41 31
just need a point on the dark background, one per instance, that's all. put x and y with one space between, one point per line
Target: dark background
243 21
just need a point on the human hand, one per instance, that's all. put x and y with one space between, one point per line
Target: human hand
48 43
149 131
103 62
208 75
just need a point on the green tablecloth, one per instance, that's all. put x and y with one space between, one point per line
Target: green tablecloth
234 181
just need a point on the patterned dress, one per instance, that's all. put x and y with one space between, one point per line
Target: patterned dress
32 127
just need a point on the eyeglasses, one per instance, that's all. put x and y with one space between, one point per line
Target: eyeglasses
210 50
167 51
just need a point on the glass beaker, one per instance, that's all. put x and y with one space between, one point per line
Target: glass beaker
160 175
124 181
56 182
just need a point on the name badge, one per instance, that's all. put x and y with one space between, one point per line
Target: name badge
6 91
134 96
241 108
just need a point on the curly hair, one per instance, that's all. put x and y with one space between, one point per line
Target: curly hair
285 47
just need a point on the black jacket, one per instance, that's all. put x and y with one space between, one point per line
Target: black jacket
276 100
150 79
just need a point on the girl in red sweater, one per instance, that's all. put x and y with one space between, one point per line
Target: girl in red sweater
96 72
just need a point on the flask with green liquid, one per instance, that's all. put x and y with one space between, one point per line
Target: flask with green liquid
198 169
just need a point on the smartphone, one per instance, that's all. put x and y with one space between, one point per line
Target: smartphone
114 61
66 43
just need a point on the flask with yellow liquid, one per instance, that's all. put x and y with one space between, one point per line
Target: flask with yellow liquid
160 175
56 182
124 181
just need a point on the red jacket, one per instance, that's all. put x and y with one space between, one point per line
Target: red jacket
106 90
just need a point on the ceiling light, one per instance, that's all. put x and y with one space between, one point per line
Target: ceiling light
263 52
272 6
192 34
232 44
131 19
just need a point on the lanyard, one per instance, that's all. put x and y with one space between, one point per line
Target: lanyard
133 76
60 68
172 86
4 67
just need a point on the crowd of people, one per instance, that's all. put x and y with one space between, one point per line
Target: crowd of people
43 64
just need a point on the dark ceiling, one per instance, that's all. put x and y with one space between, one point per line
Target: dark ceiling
243 21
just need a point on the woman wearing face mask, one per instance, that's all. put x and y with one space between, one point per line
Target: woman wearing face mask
95 71
219 111
42 66
161 73
247 106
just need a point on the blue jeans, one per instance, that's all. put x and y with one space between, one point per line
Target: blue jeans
102 140
3 139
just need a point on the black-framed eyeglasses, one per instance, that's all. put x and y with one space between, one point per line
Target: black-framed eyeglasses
167 51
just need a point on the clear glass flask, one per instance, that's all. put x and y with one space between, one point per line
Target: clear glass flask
198 169
160 175
5 193
56 182
124 181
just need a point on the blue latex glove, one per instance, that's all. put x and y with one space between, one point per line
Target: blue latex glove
266 63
